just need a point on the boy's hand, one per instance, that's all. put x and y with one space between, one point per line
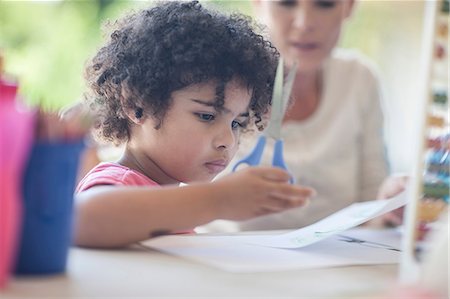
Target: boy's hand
257 191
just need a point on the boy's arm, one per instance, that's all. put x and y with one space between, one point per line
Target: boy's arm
113 216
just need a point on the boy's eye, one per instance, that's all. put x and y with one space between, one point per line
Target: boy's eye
325 3
241 124
205 116
236 125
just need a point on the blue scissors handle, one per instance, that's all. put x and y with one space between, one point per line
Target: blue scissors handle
278 159
254 158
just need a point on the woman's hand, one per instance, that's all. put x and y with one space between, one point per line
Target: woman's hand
391 187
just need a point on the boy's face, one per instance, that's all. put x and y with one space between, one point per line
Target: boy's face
195 142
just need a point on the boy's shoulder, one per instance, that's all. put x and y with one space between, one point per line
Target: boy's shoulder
109 173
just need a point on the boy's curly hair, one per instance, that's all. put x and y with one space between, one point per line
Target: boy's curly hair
156 51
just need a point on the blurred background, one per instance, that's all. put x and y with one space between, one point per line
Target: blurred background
46 44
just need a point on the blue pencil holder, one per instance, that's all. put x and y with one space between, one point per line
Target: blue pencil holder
48 188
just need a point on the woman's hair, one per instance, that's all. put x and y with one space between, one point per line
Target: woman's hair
154 52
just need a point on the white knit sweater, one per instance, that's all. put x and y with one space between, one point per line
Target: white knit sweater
339 150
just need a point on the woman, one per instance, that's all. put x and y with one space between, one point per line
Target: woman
333 127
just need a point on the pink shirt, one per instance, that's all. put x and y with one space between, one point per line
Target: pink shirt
108 173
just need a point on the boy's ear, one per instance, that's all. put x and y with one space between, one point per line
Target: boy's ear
135 115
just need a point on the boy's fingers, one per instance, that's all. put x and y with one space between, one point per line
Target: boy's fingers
272 173
309 192
283 203
296 190
289 200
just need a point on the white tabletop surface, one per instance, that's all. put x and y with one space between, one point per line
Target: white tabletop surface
142 272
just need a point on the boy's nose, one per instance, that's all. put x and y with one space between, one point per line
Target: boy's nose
225 139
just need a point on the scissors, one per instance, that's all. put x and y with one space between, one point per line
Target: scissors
280 98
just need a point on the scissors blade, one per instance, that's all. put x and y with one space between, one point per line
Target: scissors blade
276 113
280 99
288 86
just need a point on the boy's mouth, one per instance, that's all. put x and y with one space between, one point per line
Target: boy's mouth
216 166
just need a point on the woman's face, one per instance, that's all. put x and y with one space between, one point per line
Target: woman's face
304 30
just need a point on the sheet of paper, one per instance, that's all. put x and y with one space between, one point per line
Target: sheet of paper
336 223
231 253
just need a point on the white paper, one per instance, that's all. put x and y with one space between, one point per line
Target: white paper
336 223
231 253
